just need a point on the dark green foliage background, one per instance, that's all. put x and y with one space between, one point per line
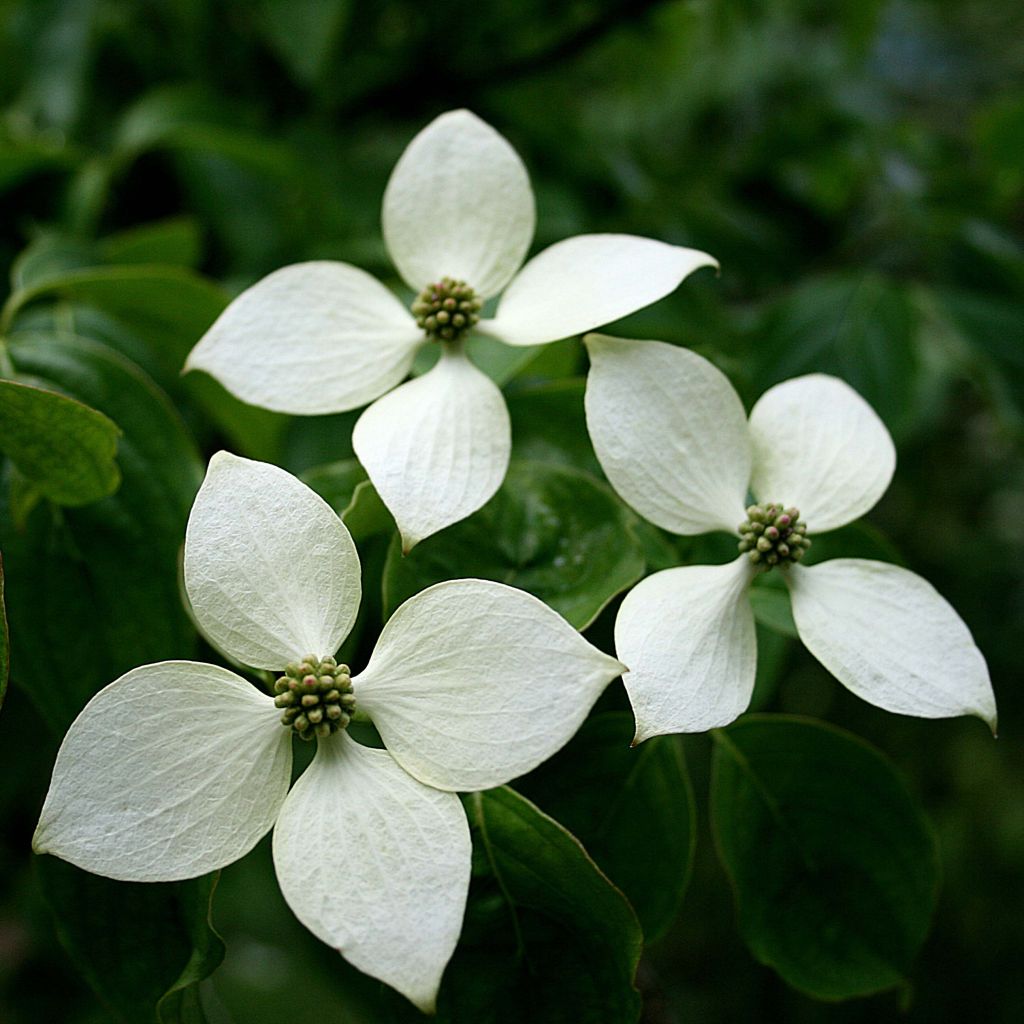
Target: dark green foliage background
858 170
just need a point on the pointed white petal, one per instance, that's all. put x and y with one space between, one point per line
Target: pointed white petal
436 448
669 432
310 338
459 204
271 571
887 634
473 683
171 771
376 865
588 281
819 446
688 638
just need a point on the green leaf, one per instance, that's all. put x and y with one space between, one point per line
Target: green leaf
834 866
335 482
170 306
49 256
174 241
859 539
990 329
22 158
773 651
503 362
5 640
63 447
345 487
185 119
554 531
859 327
547 939
549 425
631 807
101 580
305 33
499 361
143 947
770 601
58 37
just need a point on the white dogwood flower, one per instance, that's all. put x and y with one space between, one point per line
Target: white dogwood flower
458 218
179 768
673 439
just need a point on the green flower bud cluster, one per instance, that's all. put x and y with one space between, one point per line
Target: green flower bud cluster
316 695
773 535
447 310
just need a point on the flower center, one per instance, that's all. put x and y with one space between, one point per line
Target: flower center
773 535
317 697
447 310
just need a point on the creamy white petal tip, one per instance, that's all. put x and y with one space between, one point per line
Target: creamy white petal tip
891 638
670 433
436 448
458 204
688 637
473 683
376 865
310 338
171 771
820 447
585 282
271 571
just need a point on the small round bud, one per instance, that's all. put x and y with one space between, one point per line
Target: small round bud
312 693
773 535
447 309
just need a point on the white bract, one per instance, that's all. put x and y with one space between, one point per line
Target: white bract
672 436
179 768
458 218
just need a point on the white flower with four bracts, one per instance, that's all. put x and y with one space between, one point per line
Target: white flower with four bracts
458 218
673 439
179 768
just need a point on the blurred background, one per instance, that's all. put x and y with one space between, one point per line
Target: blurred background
858 170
